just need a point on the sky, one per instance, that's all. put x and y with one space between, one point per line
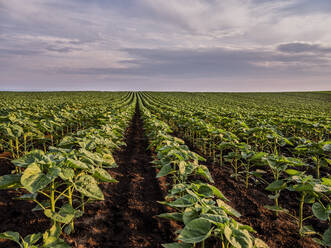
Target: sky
172 45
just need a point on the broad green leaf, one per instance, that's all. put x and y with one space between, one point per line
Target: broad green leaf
10 181
327 147
172 216
228 209
195 231
326 181
215 218
327 236
185 201
88 186
77 164
276 185
205 191
319 211
189 215
275 208
52 235
103 175
33 238
217 192
292 172
14 236
27 197
203 171
30 158
181 167
165 170
238 238
65 214
33 179
258 243
67 174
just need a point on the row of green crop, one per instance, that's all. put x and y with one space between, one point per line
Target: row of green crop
64 179
199 206
240 114
25 126
251 163
215 138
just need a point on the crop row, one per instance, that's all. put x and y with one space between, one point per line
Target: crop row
64 179
198 205
25 126
243 151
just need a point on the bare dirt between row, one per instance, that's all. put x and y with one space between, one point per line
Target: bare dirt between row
126 218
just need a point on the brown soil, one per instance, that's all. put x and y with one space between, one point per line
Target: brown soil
277 232
126 218
16 215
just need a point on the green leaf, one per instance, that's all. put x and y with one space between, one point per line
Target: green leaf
30 158
77 164
327 147
258 156
228 209
33 238
217 192
319 211
27 197
292 172
182 202
258 243
52 235
67 174
195 231
181 167
103 176
275 208
14 236
10 181
205 191
59 243
327 236
276 185
189 215
65 214
33 179
165 170
172 216
203 171
238 238
326 181
215 218
88 186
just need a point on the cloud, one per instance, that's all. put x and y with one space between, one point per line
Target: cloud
301 47
185 39
62 49
214 62
18 52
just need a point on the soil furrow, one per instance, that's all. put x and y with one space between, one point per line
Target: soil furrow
126 218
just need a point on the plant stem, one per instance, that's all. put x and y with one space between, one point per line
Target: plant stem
302 201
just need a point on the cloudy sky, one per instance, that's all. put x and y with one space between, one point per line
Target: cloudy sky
196 45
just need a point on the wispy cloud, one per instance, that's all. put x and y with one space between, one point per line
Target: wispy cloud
302 47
